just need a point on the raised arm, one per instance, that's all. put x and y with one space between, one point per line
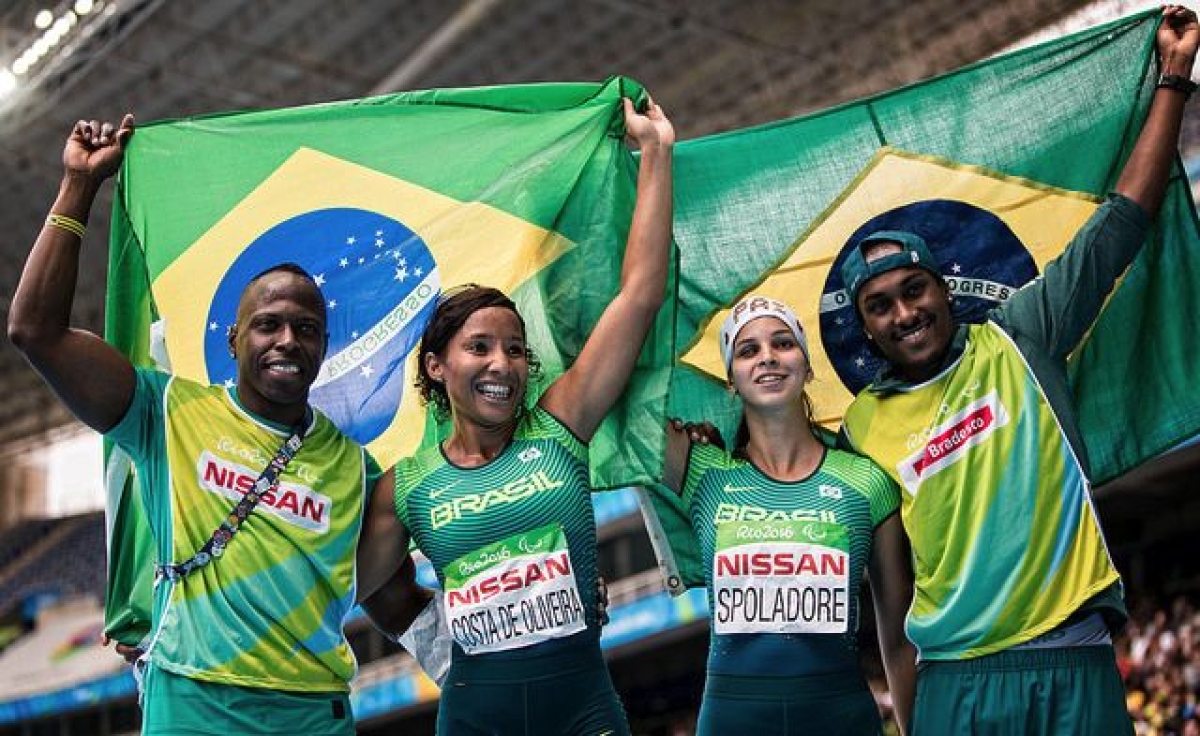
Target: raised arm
583 395
92 378
890 574
1144 178
1058 310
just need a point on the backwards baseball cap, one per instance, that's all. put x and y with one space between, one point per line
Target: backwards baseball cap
856 270
751 308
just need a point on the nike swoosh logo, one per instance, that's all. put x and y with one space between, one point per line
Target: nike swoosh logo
735 489
443 489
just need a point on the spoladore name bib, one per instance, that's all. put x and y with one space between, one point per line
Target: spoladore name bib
781 577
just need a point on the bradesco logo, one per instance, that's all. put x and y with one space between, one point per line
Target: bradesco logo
949 441
292 503
475 503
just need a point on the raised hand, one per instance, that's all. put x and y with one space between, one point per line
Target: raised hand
95 149
1177 39
649 129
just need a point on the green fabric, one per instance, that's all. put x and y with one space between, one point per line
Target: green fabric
565 692
528 188
747 199
1044 692
174 705
809 705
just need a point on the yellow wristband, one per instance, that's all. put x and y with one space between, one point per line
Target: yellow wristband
70 224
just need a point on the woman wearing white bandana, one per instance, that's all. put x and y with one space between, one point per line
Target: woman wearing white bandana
787 527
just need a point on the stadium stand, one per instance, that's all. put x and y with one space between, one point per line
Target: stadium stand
1159 658
52 558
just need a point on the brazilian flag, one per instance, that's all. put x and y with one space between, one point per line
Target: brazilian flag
997 165
388 202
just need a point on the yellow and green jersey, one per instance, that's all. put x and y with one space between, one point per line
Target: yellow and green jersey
784 560
268 613
513 542
1005 541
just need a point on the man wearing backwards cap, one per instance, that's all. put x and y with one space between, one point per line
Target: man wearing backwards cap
1015 594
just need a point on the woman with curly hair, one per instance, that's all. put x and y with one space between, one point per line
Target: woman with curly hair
502 506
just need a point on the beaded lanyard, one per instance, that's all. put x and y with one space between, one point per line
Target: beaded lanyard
267 482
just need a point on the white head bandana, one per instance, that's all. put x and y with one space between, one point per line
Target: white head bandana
752 308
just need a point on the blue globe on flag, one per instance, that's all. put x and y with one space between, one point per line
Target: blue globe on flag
380 284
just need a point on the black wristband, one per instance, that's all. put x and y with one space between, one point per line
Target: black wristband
1176 82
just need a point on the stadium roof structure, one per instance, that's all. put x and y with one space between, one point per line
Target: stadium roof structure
715 64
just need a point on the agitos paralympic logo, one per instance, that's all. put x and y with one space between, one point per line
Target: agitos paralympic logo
380 285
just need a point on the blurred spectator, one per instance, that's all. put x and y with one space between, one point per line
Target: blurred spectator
1159 659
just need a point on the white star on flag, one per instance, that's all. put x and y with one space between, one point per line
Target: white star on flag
212 326
343 263
319 279
401 274
333 303
366 371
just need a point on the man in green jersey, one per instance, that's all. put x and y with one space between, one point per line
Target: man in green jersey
1015 594
248 639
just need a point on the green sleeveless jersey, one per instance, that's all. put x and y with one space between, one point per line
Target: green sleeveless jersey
513 542
267 613
1005 541
784 560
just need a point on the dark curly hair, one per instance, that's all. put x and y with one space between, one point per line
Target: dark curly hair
453 310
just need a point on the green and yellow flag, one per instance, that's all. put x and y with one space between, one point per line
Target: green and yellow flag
997 165
387 202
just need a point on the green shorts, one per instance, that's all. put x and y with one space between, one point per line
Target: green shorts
1036 692
567 692
834 703
181 706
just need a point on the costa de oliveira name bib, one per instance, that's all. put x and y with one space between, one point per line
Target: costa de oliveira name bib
514 593
781 577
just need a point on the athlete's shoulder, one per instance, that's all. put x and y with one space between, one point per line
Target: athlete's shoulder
410 471
864 476
706 463
859 470
710 457
539 424
323 426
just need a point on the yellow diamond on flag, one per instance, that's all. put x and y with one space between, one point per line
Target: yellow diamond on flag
990 232
380 248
